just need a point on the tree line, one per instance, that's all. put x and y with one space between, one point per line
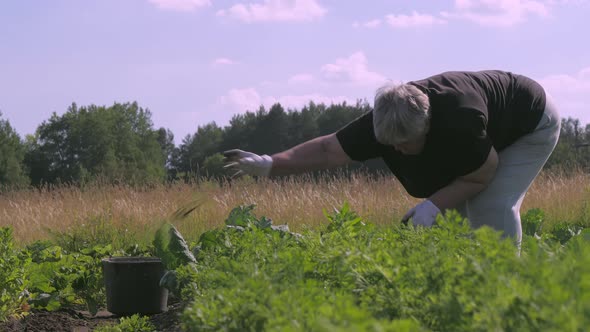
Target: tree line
120 144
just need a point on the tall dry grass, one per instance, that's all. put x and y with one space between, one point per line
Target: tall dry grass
298 202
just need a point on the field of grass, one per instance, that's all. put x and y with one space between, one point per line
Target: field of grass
344 264
120 213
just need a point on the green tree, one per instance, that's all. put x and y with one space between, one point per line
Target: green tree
37 164
239 133
572 150
213 166
113 144
12 153
303 125
271 133
197 147
169 151
338 115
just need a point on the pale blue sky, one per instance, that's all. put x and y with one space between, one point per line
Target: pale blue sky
196 61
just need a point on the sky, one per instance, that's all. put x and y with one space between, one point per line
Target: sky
192 62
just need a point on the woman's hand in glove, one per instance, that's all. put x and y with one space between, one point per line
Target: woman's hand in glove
244 162
423 214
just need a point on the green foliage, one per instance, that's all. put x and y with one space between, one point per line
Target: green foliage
174 252
13 267
563 231
531 221
165 139
87 281
196 148
532 225
349 276
345 221
12 154
62 276
240 219
118 144
110 144
135 323
261 131
59 278
353 276
242 216
95 230
213 166
171 247
573 149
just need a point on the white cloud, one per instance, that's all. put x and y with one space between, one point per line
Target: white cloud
414 20
585 73
498 13
368 24
224 61
571 93
567 2
275 11
181 5
492 13
351 73
249 99
578 83
242 99
353 69
301 78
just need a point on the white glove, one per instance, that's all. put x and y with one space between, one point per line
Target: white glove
423 214
247 163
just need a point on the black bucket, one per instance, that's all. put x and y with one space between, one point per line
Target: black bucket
133 285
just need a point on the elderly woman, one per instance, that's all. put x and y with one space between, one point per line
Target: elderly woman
471 141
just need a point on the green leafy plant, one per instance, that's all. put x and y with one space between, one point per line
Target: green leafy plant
172 248
87 280
57 278
135 323
12 276
532 221
354 276
174 252
348 276
563 231
242 216
345 221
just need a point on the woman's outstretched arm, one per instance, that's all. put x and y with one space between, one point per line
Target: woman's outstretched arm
319 153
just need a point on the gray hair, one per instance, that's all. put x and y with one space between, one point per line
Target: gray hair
402 113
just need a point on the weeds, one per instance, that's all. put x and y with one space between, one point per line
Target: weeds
120 212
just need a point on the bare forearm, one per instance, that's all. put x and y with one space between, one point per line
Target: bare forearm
455 193
465 187
319 153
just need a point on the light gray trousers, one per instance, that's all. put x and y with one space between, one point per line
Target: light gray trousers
498 206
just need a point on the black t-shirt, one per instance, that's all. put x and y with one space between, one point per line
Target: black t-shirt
470 113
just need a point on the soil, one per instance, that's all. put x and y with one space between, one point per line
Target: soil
70 320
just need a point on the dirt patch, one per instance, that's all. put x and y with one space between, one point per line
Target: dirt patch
69 320
59 320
